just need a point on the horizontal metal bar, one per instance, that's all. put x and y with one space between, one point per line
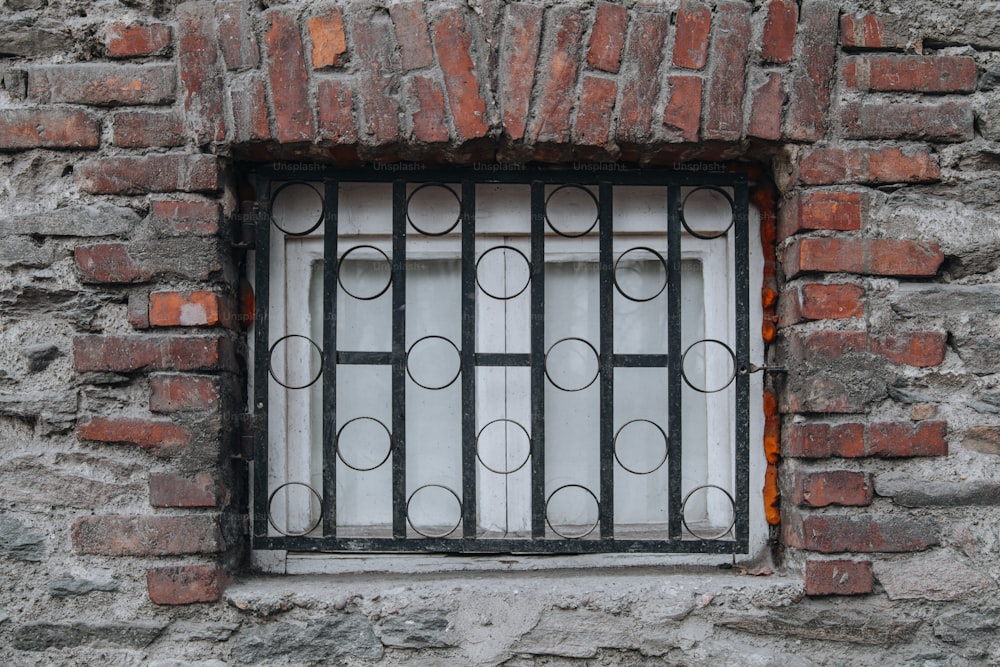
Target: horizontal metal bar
502 359
641 360
499 546
691 175
364 358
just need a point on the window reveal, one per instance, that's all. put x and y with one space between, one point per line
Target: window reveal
522 363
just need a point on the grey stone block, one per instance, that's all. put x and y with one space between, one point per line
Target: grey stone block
18 542
316 640
42 635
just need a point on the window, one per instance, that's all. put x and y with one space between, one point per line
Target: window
502 361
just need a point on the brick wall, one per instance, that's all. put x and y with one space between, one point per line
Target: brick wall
122 312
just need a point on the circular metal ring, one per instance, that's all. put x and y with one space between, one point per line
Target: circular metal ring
521 464
621 291
270 367
589 530
716 536
732 209
592 349
270 519
558 231
458 218
433 535
732 376
319 220
491 294
446 384
349 292
340 455
640 472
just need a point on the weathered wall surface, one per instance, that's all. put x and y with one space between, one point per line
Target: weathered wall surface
122 357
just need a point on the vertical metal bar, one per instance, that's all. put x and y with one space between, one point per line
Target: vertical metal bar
262 284
674 447
741 280
537 360
606 361
469 359
399 359
330 269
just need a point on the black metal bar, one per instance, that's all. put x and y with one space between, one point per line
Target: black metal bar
641 360
741 287
399 359
605 365
469 510
674 449
352 358
502 359
262 296
537 360
330 268
498 546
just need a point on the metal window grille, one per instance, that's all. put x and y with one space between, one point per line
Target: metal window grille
677 536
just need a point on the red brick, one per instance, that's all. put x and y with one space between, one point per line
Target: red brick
839 211
427 110
115 535
730 49
329 43
694 21
201 76
185 584
833 487
813 72
902 439
188 309
251 119
832 533
823 394
949 121
922 349
158 437
824 166
683 111
555 90
453 40
125 40
170 490
335 105
102 84
869 31
596 108
519 55
778 41
822 302
640 90
128 354
171 217
833 344
838 577
152 173
140 129
765 112
918 74
379 107
818 440
410 25
286 68
237 40
853 440
23 129
109 263
607 38
182 393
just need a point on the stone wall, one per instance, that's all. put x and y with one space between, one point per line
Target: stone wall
872 131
